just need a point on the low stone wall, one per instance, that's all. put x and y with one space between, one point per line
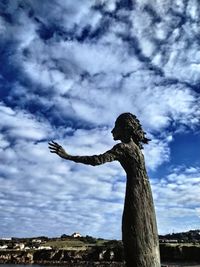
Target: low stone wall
96 256
179 253
16 256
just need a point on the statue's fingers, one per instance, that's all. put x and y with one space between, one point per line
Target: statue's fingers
53 151
53 148
50 143
55 143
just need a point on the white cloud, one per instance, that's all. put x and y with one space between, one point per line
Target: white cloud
156 153
57 65
21 125
177 199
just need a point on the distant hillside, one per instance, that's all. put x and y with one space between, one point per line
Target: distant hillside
190 236
65 241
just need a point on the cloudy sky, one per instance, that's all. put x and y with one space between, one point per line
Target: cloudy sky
68 69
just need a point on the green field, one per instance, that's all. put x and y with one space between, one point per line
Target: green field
73 244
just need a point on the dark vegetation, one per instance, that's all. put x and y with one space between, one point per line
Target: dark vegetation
192 236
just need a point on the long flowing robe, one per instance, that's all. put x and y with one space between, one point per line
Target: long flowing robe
139 229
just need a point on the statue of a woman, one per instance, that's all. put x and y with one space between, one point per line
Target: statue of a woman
139 230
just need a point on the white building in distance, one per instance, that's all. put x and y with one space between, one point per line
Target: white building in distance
76 234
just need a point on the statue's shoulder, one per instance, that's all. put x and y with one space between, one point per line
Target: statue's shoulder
119 150
119 146
131 149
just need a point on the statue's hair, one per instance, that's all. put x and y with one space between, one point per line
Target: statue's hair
133 128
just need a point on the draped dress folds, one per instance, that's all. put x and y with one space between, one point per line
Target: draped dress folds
139 229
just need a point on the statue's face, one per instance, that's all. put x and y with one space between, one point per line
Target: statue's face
118 132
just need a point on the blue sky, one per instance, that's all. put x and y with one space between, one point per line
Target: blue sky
68 69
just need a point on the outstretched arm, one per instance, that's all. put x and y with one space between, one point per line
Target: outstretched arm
111 155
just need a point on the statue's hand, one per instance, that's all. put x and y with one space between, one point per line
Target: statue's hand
56 148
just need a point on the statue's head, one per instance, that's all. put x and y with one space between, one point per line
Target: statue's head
128 127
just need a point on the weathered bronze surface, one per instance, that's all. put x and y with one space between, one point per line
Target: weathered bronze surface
139 230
